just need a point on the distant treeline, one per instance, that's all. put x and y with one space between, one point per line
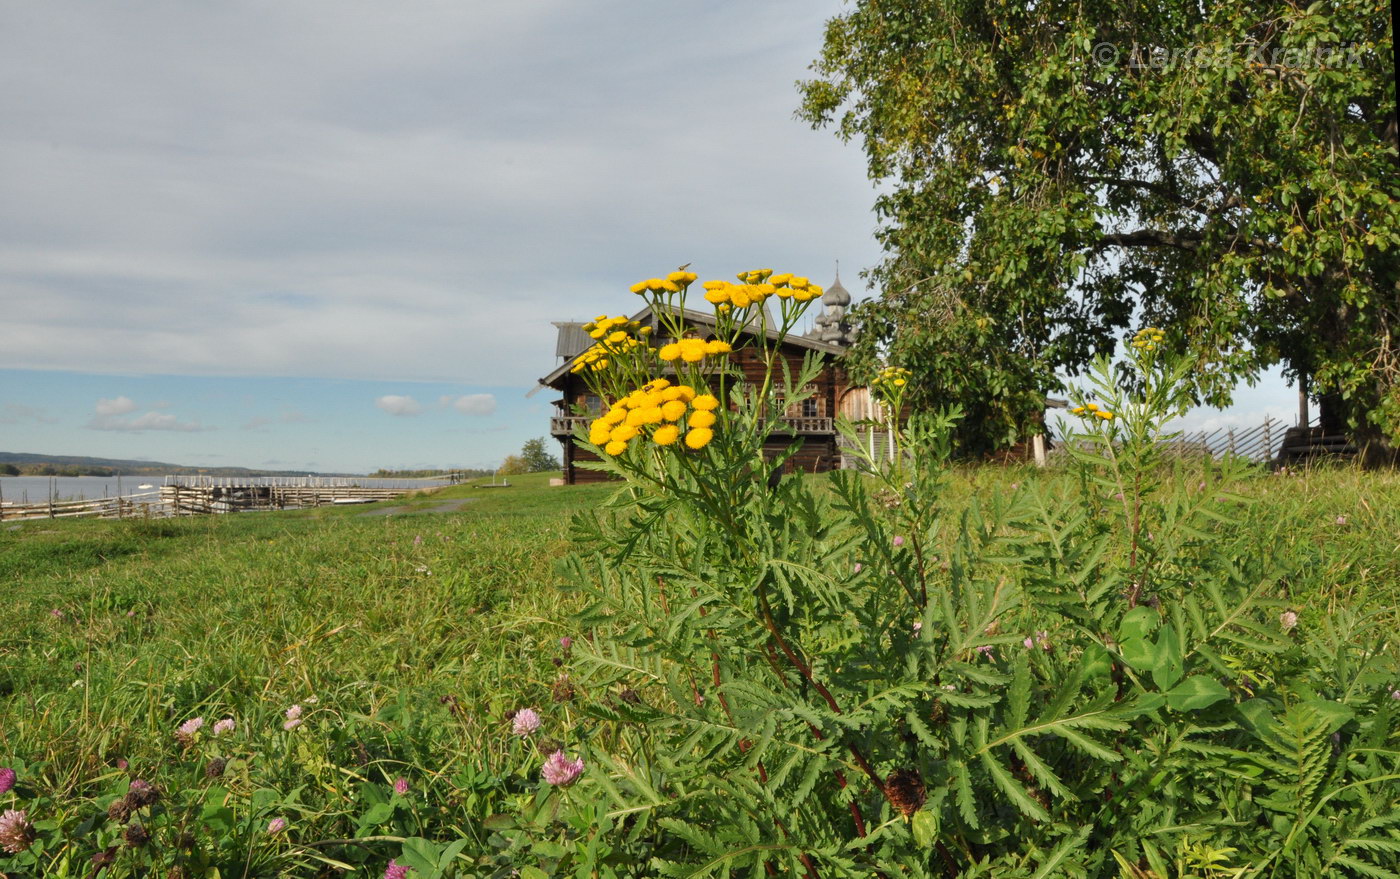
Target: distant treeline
55 470
26 464
462 473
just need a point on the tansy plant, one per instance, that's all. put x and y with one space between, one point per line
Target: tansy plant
667 403
857 675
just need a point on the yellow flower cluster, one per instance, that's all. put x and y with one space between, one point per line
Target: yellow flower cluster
603 326
597 358
614 335
1148 339
757 286
891 377
657 407
692 350
1092 410
672 283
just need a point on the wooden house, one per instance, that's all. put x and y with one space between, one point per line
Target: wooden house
812 419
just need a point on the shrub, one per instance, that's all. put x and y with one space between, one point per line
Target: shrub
854 676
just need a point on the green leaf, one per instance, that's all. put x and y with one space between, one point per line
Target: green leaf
1195 693
1166 658
1140 653
1138 623
421 854
925 828
1096 661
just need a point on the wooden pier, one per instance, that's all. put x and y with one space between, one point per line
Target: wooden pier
193 496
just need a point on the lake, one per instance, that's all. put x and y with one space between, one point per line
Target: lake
35 489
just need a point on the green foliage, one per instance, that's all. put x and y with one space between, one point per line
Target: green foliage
860 677
536 456
1051 177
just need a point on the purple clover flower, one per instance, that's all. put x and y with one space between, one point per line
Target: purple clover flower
401 786
187 729
276 826
395 870
7 779
560 771
224 726
16 833
525 722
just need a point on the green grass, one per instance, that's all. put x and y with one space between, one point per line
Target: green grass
412 650
247 614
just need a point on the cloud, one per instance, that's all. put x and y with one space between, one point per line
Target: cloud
1209 420
397 405
369 200
471 404
148 421
116 406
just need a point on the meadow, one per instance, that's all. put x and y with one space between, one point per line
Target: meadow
372 665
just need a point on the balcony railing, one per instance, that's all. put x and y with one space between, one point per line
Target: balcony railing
809 424
567 425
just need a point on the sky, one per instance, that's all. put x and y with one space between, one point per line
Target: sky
332 236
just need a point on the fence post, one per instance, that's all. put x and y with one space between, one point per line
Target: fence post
1230 436
1268 442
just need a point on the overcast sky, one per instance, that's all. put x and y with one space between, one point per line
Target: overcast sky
332 235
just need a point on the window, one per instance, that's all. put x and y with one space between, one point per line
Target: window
809 408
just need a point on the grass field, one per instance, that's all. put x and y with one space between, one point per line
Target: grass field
405 639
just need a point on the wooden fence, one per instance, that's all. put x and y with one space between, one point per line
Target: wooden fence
199 496
1260 443
132 506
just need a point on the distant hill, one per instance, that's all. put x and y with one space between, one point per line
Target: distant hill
76 465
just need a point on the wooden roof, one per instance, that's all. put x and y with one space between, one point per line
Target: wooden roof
692 318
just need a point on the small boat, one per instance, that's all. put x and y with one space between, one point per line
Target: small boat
145 485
